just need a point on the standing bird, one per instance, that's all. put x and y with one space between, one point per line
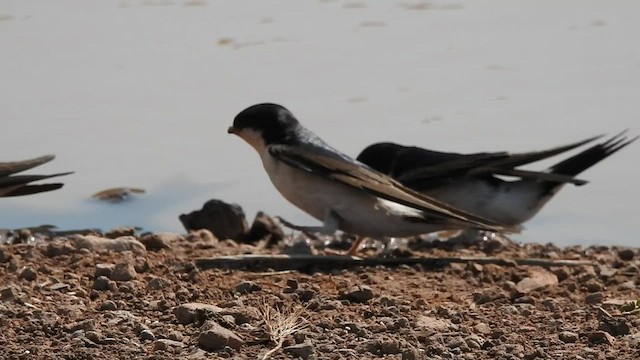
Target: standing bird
337 190
18 185
469 181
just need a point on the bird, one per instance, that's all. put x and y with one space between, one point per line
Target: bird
341 192
472 182
18 185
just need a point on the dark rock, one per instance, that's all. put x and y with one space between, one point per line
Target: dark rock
123 272
157 283
265 227
626 254
120 231
104 270
101 283
9 293
215 337
93 336
108 306
147 335
304 350
188 313
359 294
247 287
615 326
600 337
225 221
594 298
28 273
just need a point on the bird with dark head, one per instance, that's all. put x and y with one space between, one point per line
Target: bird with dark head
337 190
472 182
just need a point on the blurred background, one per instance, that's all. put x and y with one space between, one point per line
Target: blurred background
140 93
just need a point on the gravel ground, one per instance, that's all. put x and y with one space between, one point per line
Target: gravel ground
124 296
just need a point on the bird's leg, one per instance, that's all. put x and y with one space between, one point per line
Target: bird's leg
353 250
329 226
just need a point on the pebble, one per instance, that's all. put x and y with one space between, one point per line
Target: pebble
28 273
537 278
215 337
626 254
93 336
594 298
568 337
159 240
108 306
157 283
482 328
600 337
101 283
247 287
119 232
550 304
123 272
304 350
411 354
147 335
186 313
104 270
359 294
164 344
96 244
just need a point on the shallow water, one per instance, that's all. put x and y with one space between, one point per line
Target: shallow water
140 93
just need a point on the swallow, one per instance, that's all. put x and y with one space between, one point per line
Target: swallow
341 192
471 182
18 185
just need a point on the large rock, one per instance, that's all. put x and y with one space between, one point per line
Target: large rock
215 337
225 221
265 227
95 243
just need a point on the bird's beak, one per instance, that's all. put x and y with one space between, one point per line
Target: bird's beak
231 130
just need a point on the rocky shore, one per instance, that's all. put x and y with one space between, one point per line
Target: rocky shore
123 295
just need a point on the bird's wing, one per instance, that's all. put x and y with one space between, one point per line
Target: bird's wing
8 168
19 184
350 173
499 163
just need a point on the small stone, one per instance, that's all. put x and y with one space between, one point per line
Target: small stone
4 257
601 337
85 325
359 294
28 273
482 328
306 295
98 244
108 306
265 227
175 335
93 336
59 287
247 287
104 270
550 304
411 354
101 283
157 283
164 344
304 350
537 278
123 272
292 283
159 240
615 326
390 347
9 293
147 335
215 337
594 298
626 254
120 231
225 221
568 337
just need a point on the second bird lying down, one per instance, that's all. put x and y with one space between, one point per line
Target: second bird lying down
18 185
337 190
470 182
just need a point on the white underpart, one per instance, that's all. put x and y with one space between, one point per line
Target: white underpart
360 213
